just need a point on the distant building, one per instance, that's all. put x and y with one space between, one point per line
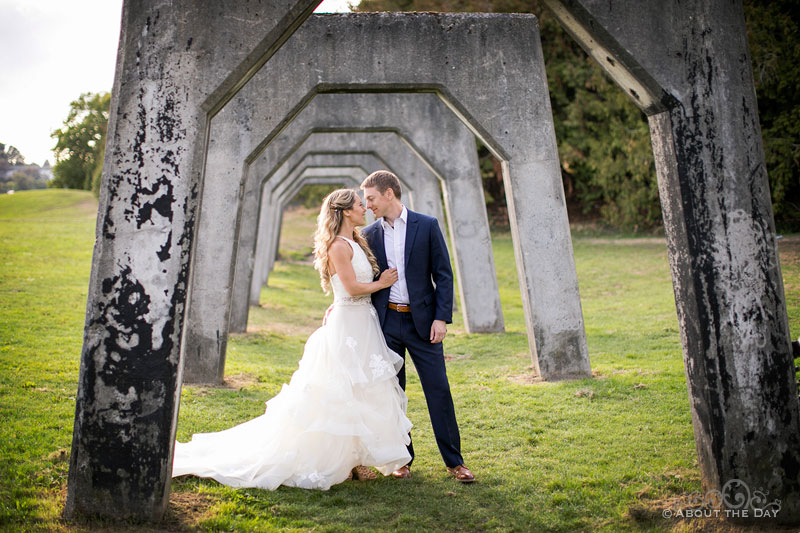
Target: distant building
46 171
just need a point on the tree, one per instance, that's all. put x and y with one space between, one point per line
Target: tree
81 141
23 181
10 157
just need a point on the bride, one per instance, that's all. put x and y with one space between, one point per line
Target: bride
343 406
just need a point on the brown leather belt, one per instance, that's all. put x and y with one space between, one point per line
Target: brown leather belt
400 308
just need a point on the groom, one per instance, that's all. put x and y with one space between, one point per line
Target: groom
414 312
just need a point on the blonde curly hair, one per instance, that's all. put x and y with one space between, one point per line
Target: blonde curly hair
329 222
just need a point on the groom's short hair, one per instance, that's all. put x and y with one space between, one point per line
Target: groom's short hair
382 180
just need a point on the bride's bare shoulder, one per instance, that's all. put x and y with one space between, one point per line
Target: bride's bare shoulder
340 247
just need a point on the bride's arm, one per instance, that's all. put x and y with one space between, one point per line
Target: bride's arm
339 256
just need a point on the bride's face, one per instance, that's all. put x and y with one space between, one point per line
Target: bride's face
356 213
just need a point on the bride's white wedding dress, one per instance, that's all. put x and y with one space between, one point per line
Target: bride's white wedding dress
342 408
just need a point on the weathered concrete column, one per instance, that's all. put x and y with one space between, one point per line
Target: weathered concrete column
171 74
687 65
498 89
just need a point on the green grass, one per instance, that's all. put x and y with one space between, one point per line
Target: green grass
568 456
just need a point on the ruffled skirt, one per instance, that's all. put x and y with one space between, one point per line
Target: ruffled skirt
342 408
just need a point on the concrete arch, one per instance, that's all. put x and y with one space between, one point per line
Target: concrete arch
693 80
410 113
506 104
473 291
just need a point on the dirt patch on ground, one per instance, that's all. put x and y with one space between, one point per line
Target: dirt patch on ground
526 378
186 510
672 512
234 382
88 206
238 381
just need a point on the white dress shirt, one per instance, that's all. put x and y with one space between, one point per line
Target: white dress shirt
394 243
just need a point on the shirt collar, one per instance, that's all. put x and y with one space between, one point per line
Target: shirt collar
403 216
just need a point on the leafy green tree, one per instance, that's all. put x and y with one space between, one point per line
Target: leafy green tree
312 195
81 141
24 181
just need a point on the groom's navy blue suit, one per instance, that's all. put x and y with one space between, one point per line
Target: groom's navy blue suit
429 280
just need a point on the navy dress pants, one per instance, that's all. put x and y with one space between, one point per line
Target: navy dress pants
401 335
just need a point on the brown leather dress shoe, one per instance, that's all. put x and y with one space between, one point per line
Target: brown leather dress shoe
404 472
462 474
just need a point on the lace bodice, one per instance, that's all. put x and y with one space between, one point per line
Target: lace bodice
363 271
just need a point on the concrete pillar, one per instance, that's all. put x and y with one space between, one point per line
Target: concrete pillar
171 74
505 102
687 66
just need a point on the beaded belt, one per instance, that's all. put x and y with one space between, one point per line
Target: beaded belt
400 308
353 300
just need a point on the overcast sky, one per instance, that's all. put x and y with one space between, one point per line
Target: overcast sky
53 51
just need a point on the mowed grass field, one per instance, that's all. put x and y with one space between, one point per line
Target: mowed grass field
601 454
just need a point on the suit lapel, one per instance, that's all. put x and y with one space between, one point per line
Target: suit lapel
411 233
380 248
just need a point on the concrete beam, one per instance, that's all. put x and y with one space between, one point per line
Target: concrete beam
171 76
691 73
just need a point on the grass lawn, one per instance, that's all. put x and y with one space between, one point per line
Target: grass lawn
600 454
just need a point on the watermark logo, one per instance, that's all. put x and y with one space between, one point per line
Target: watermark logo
734 501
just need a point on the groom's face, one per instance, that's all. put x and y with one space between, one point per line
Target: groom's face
376 202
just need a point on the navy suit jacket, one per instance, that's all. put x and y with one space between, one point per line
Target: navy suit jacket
428 274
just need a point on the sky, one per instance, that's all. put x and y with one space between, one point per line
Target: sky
53 51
